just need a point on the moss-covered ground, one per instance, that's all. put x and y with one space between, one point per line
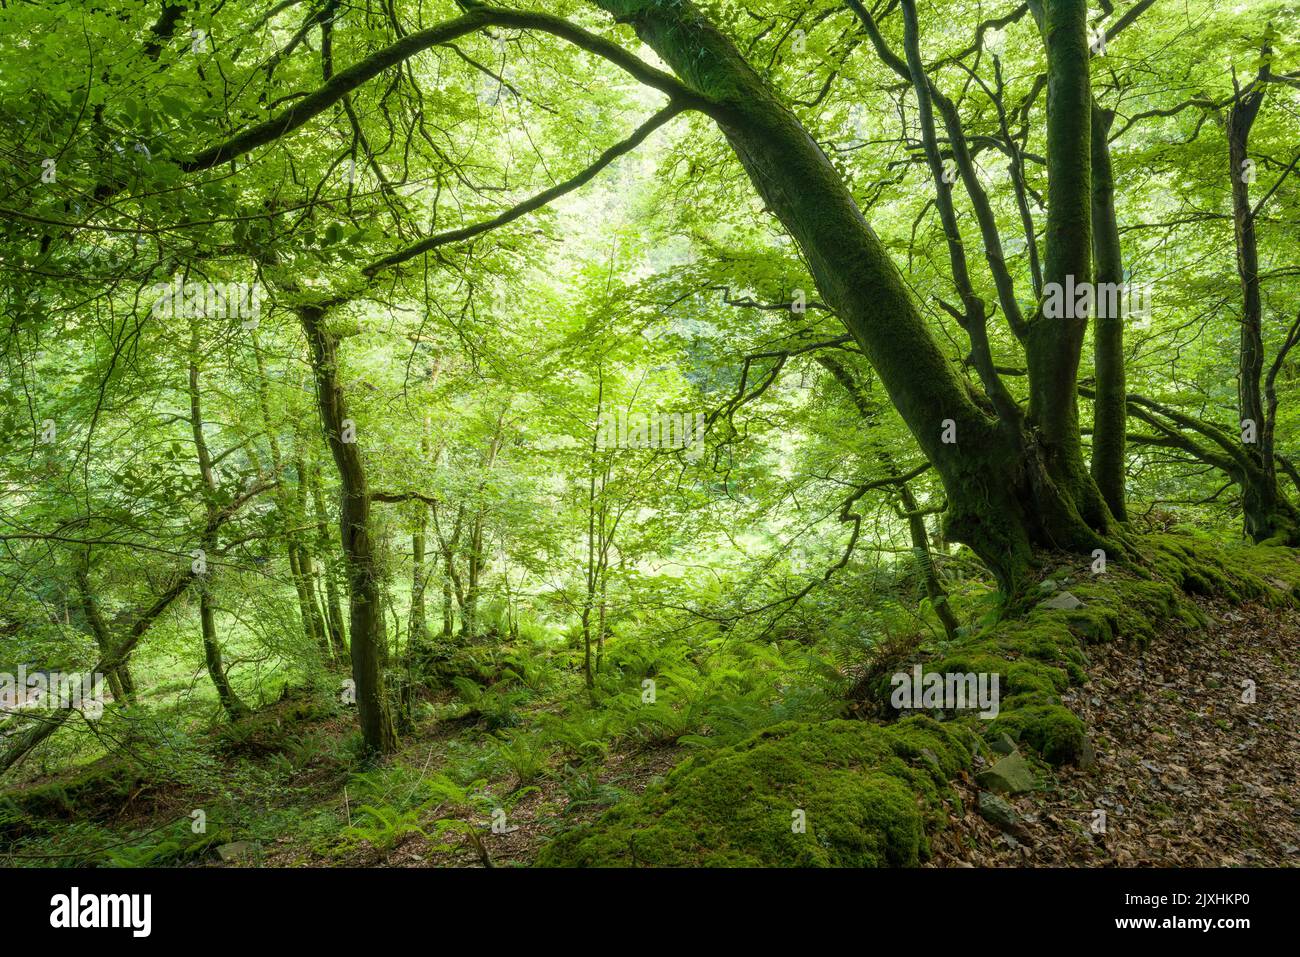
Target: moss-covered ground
870 792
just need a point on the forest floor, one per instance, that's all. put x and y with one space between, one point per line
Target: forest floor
1187 773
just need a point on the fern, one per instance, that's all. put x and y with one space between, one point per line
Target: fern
384 827
527 755
583 736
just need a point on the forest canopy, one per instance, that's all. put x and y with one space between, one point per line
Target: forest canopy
604 373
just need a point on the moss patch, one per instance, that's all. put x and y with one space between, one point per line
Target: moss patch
1200 566
869 795
92 792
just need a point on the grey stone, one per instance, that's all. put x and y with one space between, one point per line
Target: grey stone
1011 775
1002 744
1047 586
998 811
237 850
1087 756
1062 602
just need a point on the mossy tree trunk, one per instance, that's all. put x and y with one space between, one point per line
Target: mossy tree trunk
1009 488
120 683
451 583
1267 513
306 560
1054 344
311 622
364 584
419 628
476 559
1246 451
1109 415
419 620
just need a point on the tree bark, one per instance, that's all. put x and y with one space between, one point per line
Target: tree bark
1268 516
306 563
1008 489
1054 344
120 684
293 547
1109 415
364 586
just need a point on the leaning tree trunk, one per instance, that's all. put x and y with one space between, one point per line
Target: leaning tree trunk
120 684
20 745
364 587
1008 489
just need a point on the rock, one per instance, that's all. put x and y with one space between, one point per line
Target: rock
1047 586
1002 744
998 811
1087 758
237 850
1011 775
1062 602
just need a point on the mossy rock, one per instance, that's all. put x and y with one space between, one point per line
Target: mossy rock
442 664
1050 728
1199 565
95 791
869 795
273 729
